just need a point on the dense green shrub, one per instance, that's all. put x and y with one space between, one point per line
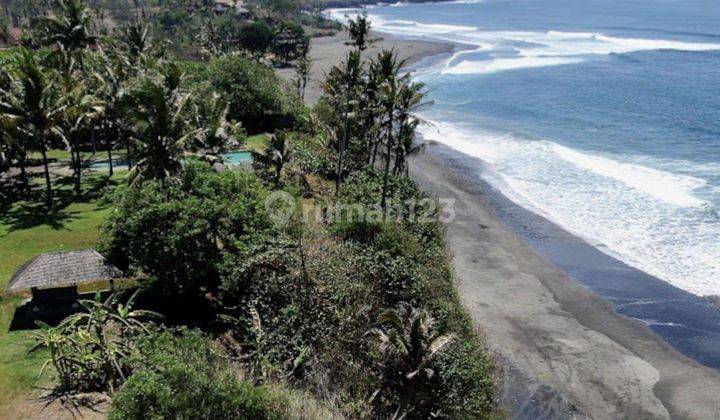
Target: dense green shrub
465 376
404 258
179 232
312 155
181 376
406 204
255 37
255 94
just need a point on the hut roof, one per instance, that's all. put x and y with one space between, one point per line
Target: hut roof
60 269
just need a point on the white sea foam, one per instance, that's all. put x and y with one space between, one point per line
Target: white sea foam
522 49
649 213
648 217
672 188
503 64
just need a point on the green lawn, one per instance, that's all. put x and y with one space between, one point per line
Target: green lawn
26 230
64 155
256 142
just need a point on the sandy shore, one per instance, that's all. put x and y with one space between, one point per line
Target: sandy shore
329 51
566 353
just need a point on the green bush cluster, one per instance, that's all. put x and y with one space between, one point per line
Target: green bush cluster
180 232
257 97
300 302
180 375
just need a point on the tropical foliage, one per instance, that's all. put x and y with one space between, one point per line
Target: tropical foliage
359 314
90 350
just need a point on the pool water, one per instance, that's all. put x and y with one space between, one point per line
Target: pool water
237 158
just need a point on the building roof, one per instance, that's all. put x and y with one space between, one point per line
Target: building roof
60 269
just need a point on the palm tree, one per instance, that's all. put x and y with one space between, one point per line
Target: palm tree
80 111
34 104
343 87
383 68
69 29
411 99
302 68
389 99
12 146
385 71
215 133
275 156
135 40
110 79
158 112
409 343
359 31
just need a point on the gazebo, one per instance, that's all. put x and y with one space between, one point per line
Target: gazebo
56 275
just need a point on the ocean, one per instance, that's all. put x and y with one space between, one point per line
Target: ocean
602 116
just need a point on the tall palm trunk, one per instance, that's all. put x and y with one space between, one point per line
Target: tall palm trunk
22 161
48 185
129 156
278 172
383 202
78 171
109 143
110 161
376 145
341 152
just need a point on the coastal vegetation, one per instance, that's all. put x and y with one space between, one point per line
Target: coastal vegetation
245 307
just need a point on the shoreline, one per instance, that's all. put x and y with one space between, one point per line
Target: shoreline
564 350
563 346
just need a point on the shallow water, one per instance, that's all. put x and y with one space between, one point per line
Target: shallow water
601 115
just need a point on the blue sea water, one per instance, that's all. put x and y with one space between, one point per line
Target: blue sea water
601 115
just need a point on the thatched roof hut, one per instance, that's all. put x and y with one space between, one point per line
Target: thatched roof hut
63 269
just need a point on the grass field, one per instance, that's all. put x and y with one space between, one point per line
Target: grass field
256 143
27 230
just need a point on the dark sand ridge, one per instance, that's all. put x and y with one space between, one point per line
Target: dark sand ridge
565 351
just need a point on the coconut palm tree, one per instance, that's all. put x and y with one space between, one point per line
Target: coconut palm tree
215 133
386 66
343 87
157 110
408 343
135 40
411 99
111 78
69 28
302 68
34 104
274 157
80 112
359 31
390 101
13 147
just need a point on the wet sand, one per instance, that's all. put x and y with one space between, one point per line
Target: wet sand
567 353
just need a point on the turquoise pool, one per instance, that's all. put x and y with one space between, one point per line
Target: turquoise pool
237 158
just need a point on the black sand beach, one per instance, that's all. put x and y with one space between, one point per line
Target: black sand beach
567 351
546 301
